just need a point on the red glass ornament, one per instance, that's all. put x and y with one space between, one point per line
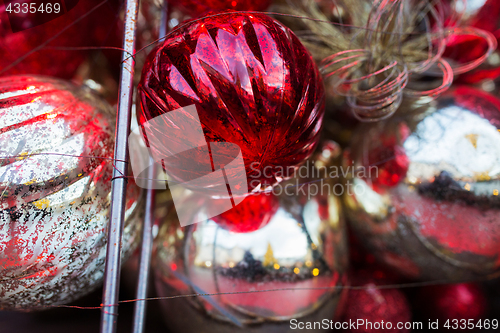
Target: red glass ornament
253 84
75 29
390 161
197 8
387 162
481 14
393 171
457 301
486 17
254 212
374 305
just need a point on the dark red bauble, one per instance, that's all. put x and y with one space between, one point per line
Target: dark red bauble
254 212
453 301
374 305
253 84
391 160
481 14
39 49
198 8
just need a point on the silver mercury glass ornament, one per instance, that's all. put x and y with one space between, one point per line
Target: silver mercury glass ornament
56 150
427 181
293 268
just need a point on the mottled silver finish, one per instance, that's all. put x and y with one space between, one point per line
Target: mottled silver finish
294 267
442 220
56 164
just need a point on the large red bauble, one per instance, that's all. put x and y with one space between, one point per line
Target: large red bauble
197 8
426 191
80 28
456 301
374 306
253 84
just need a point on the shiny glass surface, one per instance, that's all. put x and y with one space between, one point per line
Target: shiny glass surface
56 149
293 267
253 84
431 207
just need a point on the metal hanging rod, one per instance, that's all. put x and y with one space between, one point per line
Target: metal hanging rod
147 236
109 311
145 257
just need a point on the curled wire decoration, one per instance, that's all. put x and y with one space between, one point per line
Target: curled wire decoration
397 42
371 102
447 74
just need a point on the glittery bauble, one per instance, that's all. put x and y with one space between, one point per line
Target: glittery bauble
292 268
34 50
56 148
426 187
197 8
253 84
456 301
380 309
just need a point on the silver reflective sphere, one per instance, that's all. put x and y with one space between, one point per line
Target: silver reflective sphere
56 149
294 267
427 181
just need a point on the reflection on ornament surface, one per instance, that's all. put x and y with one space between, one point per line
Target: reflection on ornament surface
56 149
440 218
293 267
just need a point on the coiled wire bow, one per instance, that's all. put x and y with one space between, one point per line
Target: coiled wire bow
374 50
